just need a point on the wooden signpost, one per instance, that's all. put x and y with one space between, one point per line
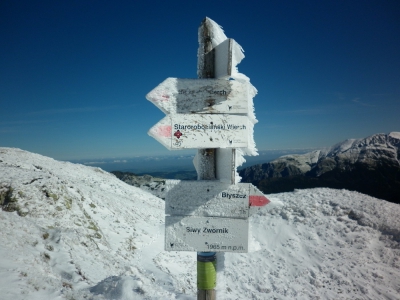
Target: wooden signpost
212 115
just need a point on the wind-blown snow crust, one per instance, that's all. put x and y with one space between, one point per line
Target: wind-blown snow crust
76 232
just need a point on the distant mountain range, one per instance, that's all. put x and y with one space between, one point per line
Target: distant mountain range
370 166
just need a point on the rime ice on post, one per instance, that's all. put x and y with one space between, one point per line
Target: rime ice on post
225 54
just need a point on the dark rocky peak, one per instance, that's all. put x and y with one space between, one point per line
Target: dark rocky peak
369 165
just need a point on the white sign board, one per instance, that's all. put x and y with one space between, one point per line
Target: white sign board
189 233
209 199
211 96
184 131
227 55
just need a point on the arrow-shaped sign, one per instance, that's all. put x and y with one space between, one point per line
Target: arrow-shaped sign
183 131
175 95
212 198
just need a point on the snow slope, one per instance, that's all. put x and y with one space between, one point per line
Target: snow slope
76 232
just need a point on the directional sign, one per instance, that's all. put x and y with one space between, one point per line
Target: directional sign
212 198
209 96
206 234
183 131
208 198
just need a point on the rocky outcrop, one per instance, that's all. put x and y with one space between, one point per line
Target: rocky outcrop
370 165
154 185
376 151
285 166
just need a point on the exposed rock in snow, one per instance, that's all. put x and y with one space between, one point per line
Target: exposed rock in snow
76 232
377 155
378 149
374 150
148 183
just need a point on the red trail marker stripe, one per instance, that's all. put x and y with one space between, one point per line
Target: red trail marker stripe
258 200
164 130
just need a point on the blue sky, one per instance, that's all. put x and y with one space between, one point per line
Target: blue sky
74 74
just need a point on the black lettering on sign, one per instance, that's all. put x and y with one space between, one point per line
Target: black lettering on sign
215 230
236 127
192 230
232 196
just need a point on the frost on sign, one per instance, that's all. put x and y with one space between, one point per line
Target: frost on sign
208 198
206 234
184 131
181 96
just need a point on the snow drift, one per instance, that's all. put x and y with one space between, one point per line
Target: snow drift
76 232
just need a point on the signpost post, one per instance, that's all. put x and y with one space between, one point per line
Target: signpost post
211 115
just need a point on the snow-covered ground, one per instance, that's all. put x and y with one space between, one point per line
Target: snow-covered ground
74 232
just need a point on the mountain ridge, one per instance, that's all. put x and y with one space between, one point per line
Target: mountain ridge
354 164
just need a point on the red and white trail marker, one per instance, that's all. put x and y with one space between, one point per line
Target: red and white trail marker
257 198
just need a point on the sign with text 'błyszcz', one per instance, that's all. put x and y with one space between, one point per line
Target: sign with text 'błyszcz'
212 198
